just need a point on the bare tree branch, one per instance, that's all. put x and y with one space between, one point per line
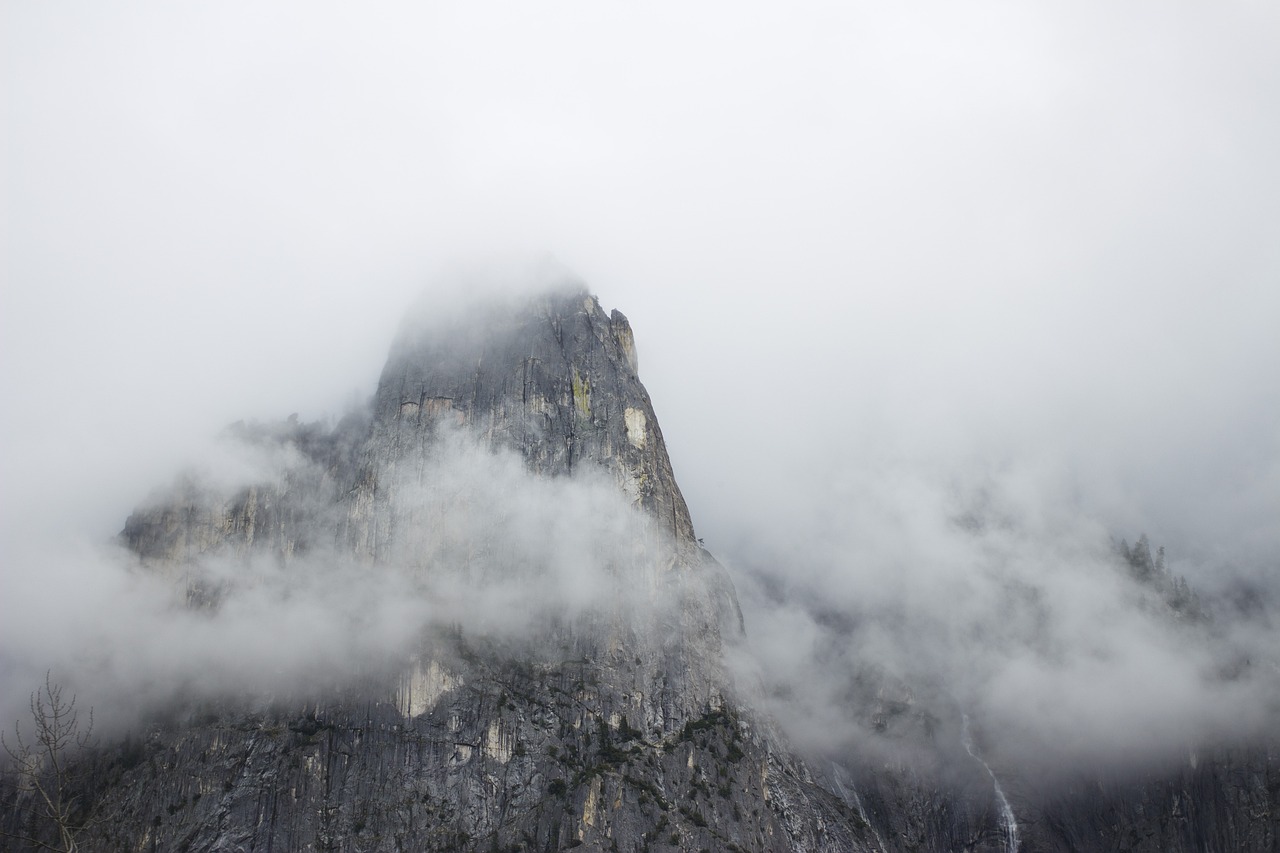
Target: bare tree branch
51 767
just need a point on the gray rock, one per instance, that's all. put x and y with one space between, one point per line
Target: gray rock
613 726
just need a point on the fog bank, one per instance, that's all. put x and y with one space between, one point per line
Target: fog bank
888 267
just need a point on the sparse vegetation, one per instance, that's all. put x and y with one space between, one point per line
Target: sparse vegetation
51 767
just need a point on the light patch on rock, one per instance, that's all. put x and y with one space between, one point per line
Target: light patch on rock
636 427
538 404
423 685
590 809
498 744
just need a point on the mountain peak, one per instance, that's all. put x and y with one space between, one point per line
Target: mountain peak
480 620
552 377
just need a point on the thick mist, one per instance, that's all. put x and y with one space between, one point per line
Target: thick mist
903 604
483 550
936 303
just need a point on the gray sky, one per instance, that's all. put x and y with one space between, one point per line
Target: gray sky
933 231
1031 250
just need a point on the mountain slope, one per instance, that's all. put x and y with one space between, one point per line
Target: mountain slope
519 644
602 718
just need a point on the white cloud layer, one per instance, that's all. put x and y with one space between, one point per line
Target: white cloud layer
483 547
877 257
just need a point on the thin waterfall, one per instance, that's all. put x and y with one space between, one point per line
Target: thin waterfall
1006 810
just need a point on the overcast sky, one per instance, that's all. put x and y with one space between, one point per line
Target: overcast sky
888 265
1032 242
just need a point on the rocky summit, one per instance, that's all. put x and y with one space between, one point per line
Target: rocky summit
558 675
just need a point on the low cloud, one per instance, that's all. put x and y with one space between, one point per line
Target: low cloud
888 611
885 598
479 546
934 306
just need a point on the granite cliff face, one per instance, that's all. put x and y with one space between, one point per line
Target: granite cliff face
567 686
556 380
609 724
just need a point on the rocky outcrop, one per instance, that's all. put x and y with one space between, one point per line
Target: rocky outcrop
606 719
554 379
609 726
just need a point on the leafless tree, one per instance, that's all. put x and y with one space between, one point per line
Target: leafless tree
50 768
